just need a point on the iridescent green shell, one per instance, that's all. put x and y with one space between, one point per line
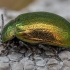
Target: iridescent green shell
39 27
8 31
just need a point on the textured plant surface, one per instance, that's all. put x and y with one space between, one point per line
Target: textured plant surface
24 60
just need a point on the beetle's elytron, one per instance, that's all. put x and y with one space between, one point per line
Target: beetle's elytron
39 27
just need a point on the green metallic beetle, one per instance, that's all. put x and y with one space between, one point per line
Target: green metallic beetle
38 27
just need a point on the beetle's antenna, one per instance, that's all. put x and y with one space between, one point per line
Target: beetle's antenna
2 22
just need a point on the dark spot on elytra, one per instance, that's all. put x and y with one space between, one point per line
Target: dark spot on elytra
45 36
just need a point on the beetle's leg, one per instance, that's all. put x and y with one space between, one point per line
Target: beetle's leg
29 50
51 49
26 46
22 44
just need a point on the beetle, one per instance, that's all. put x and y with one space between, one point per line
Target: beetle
37 28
